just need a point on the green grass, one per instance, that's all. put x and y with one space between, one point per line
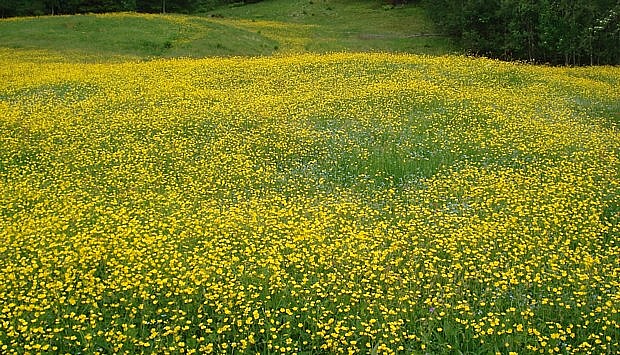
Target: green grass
131 36
341 25
266 28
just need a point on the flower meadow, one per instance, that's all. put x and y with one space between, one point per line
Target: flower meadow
308 204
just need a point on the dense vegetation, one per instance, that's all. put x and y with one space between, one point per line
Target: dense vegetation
360 203
554 31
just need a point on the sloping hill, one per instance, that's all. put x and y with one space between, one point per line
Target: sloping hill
131 36
266 28
339 25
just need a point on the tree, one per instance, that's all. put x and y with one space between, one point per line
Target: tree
569 32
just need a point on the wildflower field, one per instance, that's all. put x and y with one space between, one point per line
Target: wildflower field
309 204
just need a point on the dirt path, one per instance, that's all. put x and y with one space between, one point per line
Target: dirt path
396 36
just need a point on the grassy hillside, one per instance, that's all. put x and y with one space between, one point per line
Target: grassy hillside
337 25
131 36
310 204
271 27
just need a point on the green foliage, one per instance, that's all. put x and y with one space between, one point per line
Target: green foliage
556 31
11 8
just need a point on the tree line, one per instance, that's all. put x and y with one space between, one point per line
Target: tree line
12 8
569 32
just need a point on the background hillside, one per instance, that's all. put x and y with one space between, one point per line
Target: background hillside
266 28
552 31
